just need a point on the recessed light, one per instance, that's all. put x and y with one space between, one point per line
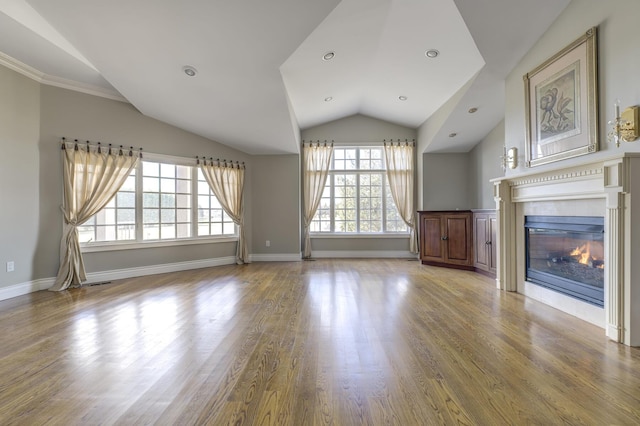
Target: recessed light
472 110
453 135
189 70
402 98
328 56
431 53
328 99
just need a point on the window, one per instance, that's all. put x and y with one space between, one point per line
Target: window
356 197
169 201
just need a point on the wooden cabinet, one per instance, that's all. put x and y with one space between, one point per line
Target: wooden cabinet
446 238
484 236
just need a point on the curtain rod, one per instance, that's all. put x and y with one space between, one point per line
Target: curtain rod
358 142
99 145
211 160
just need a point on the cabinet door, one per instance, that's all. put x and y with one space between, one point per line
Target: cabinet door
481 239
431 241
492 224
458 239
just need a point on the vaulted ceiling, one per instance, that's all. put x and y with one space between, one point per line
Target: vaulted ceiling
263 70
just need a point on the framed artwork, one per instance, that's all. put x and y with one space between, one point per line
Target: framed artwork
561 103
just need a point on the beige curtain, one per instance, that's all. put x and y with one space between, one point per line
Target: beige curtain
400 173
316 162
92 175
226 180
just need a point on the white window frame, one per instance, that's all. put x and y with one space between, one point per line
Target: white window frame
333 234
98 246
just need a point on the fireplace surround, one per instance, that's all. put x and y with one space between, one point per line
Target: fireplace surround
608 187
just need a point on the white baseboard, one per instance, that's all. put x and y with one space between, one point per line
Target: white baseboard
118 274
25 288
278 257
363 254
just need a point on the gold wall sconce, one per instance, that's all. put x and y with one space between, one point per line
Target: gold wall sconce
624 127
509 158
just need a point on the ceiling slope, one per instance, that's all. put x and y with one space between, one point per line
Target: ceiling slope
260 74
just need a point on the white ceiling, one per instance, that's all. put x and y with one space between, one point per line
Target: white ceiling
261 77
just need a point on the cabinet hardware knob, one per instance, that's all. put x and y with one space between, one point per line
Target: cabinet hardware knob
444 238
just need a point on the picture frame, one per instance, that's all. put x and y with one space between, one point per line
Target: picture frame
561 103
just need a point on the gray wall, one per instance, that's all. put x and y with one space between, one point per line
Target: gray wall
619 63
276 204
484 165
19 176
359 129
445 182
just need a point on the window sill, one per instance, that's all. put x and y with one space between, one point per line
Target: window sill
134 245
354 235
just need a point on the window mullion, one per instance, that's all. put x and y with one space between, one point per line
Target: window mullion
384 201
139 207
194 202
332 203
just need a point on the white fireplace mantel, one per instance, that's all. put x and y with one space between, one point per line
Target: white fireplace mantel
612 182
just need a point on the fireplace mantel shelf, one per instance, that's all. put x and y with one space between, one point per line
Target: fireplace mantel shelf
604 186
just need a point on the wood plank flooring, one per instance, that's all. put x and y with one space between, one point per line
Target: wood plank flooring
342 342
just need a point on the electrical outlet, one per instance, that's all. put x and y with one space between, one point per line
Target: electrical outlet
11 266
268 243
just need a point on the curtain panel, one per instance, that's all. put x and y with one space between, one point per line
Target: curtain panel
226 180
400 162
316 162
92 175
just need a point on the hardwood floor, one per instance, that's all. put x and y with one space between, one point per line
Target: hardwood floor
308 343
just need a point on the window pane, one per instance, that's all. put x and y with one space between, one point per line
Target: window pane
184 215
183 172
168 200
151 216
167 232
167 185
126 216
150 169
183 186
183 201
167 170
203 229
150 200
167 216
126 199
150 184
184 230
151 232
130 183
203 188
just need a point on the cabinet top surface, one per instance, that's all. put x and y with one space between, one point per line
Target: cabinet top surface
444 211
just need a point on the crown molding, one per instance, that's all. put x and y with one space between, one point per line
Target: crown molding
50 80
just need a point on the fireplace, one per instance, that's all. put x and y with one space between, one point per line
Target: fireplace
566 254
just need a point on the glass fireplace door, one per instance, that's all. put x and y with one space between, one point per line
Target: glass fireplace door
566 254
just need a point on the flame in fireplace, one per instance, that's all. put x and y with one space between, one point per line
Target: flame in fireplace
583 255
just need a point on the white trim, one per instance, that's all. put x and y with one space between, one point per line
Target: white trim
585 311
50 80
278 257
363 254
334 235
119 274
131 245
25 288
